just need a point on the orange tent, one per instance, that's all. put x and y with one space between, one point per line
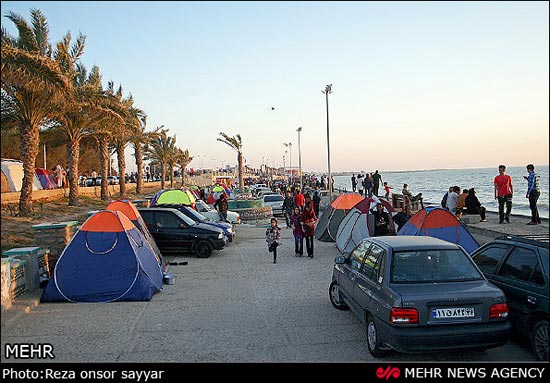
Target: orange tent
327 227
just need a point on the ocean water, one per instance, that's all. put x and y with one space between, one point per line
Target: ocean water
433 184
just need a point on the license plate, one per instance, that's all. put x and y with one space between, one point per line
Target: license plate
453 312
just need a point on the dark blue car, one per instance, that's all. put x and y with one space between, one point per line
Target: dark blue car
227 228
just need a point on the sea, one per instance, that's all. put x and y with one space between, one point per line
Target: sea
433 184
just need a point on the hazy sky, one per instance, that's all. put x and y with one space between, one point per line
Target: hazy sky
416 85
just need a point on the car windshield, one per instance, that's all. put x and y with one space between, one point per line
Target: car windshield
195 214
273 198
426 266
202 206
184 218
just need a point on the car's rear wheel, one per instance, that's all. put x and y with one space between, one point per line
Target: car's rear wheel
540 339
373 340
335 297
204 249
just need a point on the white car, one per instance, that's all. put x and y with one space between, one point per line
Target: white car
276 203
208 211
260 191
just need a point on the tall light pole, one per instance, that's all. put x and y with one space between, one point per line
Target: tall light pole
284 162
289 145
327 91
299 156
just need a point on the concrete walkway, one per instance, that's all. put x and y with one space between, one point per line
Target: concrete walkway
236 306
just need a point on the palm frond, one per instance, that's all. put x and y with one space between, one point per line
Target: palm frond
41 31
26 40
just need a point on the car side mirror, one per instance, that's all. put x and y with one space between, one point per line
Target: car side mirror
182 226
340 260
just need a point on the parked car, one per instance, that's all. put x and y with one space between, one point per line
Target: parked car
113 180
519 267
209 212
276 203
89 181
259 191
419 294
227 228
173 232
254 186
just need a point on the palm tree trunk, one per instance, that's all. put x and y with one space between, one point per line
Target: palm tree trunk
29 141
162 175
183 175
73 155
240 164
103 166
138 152
121 169
171 176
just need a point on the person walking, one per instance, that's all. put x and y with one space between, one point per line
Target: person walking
533 193
299 199
353 183
272 237
297 230
310 219
473 206
222 206
94 177
360 184
316 202
504 191
288 207
368 185
387 189
376 180
60 175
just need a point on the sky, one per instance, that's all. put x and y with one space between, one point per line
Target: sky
415 85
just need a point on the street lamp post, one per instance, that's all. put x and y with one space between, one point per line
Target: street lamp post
327 91
289 145
299 130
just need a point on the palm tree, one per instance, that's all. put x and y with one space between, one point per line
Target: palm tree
33 85
76 117
139 138
235 143
160 149
183 159
134 119
104 128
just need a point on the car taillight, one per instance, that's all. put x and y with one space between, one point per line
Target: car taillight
403 316
498 311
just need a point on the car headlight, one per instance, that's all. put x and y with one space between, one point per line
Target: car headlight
220 236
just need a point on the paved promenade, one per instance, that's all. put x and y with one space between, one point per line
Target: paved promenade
236 306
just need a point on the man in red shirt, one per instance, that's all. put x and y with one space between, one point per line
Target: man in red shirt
503 193
299 200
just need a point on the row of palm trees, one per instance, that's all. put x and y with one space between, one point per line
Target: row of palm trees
47 88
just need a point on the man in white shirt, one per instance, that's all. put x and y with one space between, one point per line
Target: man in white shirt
452 199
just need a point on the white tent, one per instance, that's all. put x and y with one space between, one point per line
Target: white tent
358 224
12 170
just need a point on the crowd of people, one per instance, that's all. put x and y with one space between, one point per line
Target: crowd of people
302 210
